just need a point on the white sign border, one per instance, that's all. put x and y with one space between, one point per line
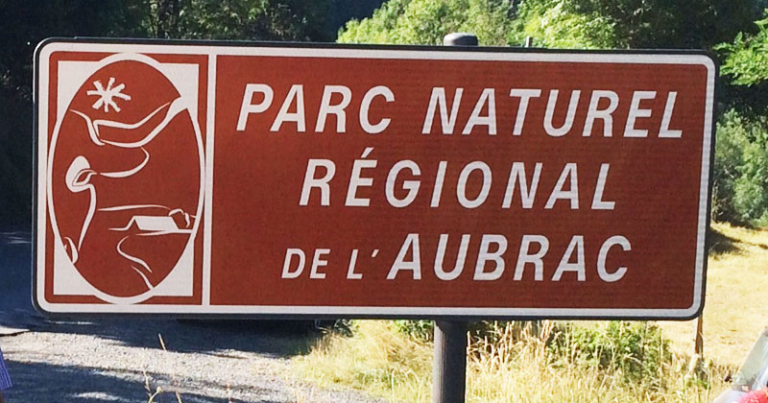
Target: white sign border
46 48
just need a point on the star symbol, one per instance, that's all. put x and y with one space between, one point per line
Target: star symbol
107 95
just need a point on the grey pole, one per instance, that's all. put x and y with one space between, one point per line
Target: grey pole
449 368
449 365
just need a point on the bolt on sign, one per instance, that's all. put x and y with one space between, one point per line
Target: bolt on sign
201 178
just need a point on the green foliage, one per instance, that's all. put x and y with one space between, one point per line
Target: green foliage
417 329
240 19
635 350
634 23
751 189
729 149
343 327
741 169
346 10
558 24
747 56
426 22
495 22
26 23
697 24
750 196
741 157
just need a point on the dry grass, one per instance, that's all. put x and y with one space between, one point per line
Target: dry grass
512 367
389 364
734 311
378 359
524 369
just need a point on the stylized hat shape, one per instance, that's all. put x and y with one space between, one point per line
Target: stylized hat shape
132 134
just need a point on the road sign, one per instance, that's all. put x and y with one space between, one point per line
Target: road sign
200 178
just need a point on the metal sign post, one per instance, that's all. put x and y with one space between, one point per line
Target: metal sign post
449 368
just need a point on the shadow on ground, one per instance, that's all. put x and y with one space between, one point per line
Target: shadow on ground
269 338
273 338
33 382
40 381
719 243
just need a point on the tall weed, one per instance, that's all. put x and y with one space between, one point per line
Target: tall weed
532 362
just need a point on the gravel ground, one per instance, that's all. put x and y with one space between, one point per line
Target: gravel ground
122 360
119 361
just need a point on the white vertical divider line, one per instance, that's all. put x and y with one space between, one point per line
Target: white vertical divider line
210 124
42 172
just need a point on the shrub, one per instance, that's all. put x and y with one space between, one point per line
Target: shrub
533 362
637 351
418 329
729 150
740 174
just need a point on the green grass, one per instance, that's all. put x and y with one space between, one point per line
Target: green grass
579 362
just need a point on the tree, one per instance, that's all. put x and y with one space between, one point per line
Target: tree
697 24
559 24
636 24
25 23
428 21
346 10
294 20
693 24
746 59
741 157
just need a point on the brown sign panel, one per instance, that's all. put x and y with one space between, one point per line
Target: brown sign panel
220 179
